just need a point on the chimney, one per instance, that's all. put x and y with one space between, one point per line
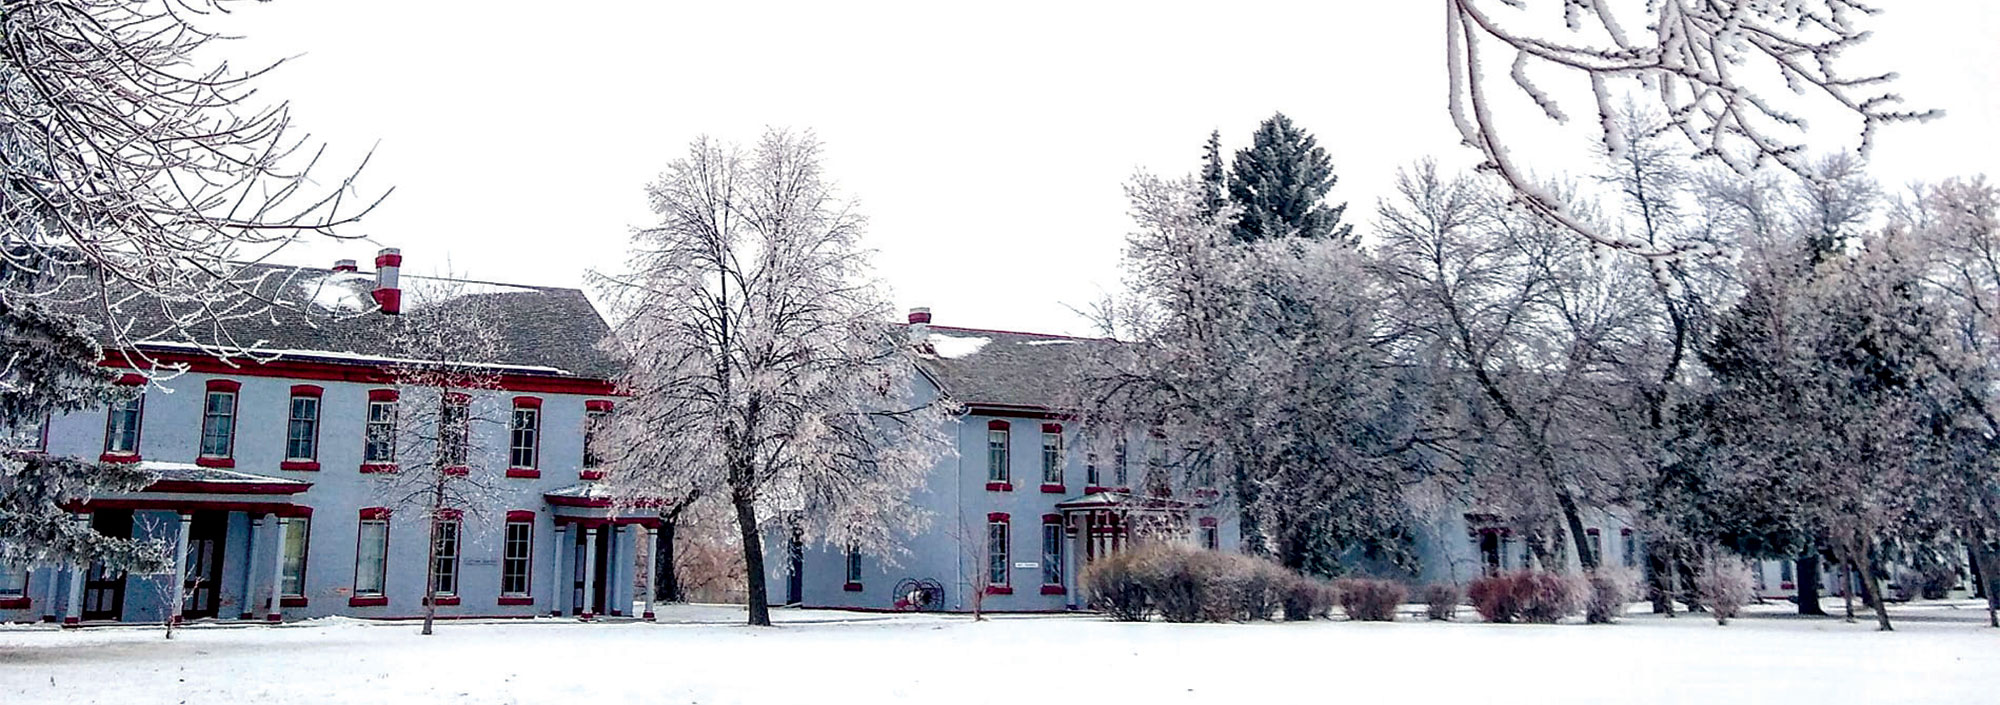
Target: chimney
920 329
388 291
345 265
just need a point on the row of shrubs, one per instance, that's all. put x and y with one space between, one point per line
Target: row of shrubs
1181 583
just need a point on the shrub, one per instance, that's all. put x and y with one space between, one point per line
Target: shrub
1111 584
1526 596
1441 601
1370 600
1611 589
1308 597
1725 584
1263 587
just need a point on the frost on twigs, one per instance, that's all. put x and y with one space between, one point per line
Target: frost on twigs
1735 80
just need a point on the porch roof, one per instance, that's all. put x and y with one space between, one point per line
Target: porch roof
1124 502
187 478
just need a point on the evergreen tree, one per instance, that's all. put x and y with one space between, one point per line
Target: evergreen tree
1214 180
1281 182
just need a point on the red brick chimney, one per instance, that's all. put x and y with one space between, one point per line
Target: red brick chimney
388 288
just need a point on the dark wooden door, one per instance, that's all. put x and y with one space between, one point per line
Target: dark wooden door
578 554
104 586
795 577
204 564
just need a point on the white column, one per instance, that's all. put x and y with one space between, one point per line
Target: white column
179 584
250 570
589 606
51 588
647 541
276 612
614 579
559 579
74 614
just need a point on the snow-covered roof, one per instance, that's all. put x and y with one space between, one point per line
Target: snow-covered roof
1003 368
188 477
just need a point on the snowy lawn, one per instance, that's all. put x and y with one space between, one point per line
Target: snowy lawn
1940 654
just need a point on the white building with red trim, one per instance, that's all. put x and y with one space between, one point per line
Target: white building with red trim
268 467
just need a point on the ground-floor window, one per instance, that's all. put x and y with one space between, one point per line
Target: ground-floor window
1785 571
1211 537
297 530
371 558
516 558
1052 551
13 580
447 557
1631 548
1596 545
853 563
996 552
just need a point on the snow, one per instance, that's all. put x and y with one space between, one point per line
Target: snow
1938 654
952 347
345 292
1039 343
261 352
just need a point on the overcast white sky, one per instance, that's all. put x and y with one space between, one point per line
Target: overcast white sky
986 142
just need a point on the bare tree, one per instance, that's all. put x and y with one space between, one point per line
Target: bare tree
761 362
1736 81
448 349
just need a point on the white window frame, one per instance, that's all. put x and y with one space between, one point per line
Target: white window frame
593 419
14 580
525 439
525 561
381 563
1052 553
210 416
116 430
379 431
450 542
292 582
292 423
999 456
1052 458
999 566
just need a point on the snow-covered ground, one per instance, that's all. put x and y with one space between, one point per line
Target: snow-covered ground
1940 653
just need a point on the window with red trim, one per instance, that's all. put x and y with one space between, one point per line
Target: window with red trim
121 423
218 420
378 438
298 532
853 583
1211 535
1052 550
445 571
455 428
371 555
1052 455
517 558
13 585
524 451
594 414
997 560
302 428
997 457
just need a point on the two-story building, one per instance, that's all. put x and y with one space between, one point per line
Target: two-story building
272 465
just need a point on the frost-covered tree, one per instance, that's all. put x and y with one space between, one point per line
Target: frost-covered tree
1211 327
1737 80
448 346
134 171
760 355
1279 185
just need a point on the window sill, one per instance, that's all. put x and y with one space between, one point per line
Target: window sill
999 589
445 600
518 601
851 587
457 470
368 601
1207 494
292 601
590 474
113 457
1053 590
379 468
524 473
15 603
999 487
300 465
209 461
1788 586
1052 488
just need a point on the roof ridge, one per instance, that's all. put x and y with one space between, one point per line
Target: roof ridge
1020 332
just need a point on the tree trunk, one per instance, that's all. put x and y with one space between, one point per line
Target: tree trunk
1872 582
1808 584
753 561
430 579
1978 570
1847 584
1659 579
1577 534
1987 579
666 577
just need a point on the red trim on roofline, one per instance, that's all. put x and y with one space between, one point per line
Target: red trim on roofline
597 405
1017 411
303 367
213 487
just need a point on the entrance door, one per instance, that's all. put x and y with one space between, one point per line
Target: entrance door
578 552
204 564
104 586
795 578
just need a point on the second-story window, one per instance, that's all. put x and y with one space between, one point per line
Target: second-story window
121 426
592 421
525 448
454 429
218 419
1120 466
379 438
1052 454
302 429
996 452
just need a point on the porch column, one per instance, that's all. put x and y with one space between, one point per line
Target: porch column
250 569
644 538
275 614
51 589
614 579
1073 562
74 615
561 581
179 584
589 606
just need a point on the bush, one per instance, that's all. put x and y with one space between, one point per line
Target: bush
1307 597
1725 584
1263 588
1441 601
1370 600
1611 589
1526 596
1112 584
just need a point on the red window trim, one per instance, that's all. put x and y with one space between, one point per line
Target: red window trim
458 397
1592 532
457 470
292 601
518 601
212 461
1624 532
450 514
520 515
1052 488
850 587
384 395
225 385
235 391
1209 522
1000 487
372 513
1053 590
590 474
300 465
445 600
527 402
1051 428
998 425
308 390
998 516
597 405
368 601
131 379
385 468
1052 519
524 473
999 589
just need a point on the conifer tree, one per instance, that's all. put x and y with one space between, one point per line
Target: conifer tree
1281 182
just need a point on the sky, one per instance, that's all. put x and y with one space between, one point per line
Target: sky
987 143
